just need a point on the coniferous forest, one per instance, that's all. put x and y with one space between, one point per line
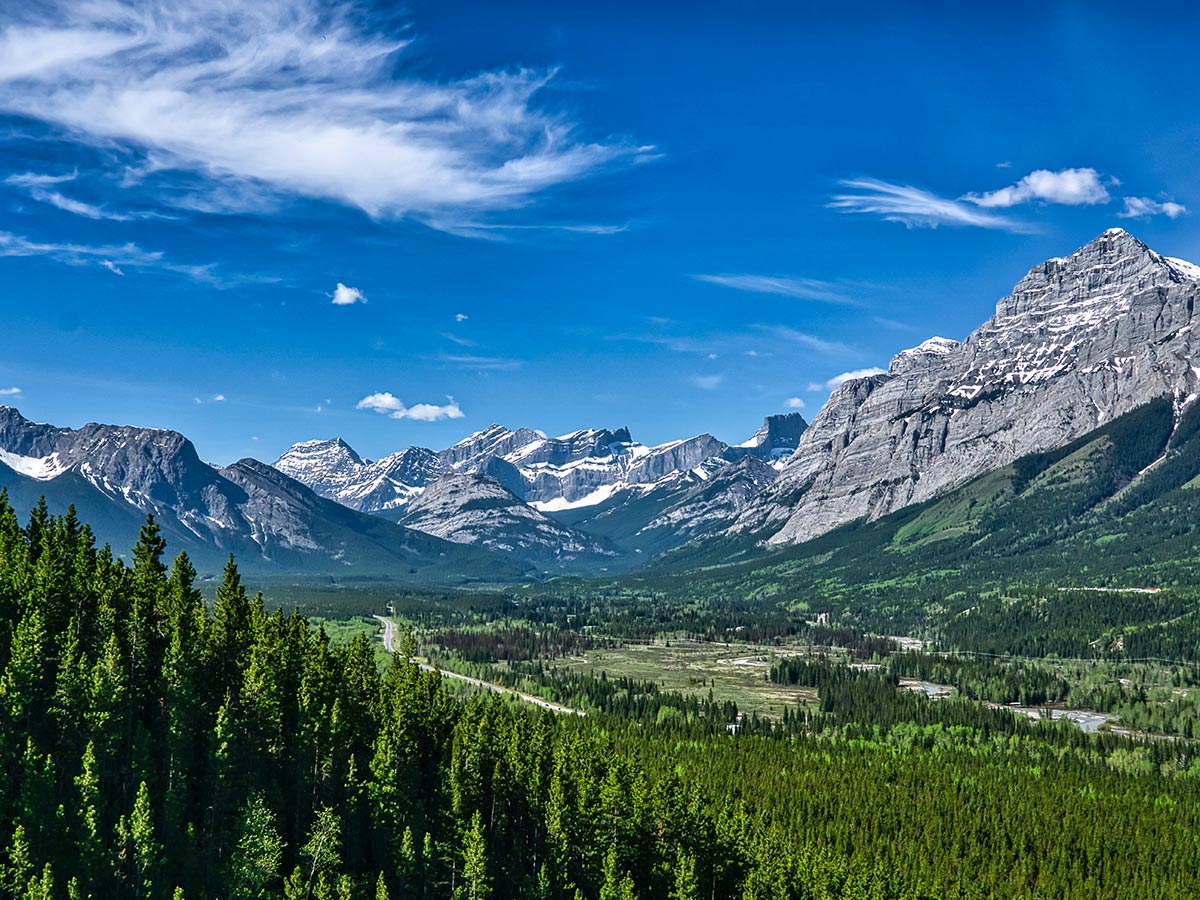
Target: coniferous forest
154 746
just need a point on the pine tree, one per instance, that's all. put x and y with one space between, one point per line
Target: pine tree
140 851
233 629
476 883
89 847
18 865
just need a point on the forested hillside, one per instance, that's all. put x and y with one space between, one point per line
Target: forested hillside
1116 508
153 747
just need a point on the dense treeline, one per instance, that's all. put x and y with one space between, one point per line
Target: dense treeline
512 643
152 747
1022 682
622 697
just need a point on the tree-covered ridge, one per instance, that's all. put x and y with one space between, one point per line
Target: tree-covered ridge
152 747
1116 508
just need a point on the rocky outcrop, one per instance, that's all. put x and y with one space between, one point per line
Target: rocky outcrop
470 508
335 471
1081 340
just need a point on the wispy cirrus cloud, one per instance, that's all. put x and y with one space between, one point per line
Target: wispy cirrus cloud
386 403
118 257
1144 208
708 382
1068 187
838 380
804 339
679 343
781 285
235 107
455 339
478 363
10 392
40 188
914 207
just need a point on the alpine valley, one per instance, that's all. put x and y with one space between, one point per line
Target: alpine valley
1077 398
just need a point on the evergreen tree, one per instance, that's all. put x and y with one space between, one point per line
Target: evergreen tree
476 885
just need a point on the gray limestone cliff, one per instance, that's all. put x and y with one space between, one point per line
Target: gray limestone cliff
1080 341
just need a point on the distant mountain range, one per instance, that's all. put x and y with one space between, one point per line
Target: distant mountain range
1081 342
115 475
479 510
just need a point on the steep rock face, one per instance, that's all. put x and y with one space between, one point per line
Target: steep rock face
618 466
646 519
495 440
470 508
715 500
335 471
1080 341
774 442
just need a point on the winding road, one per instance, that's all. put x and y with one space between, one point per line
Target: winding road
389 641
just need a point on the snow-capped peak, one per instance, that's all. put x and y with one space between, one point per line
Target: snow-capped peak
1188 270
933 348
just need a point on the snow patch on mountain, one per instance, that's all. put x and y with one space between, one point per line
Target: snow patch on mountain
41 468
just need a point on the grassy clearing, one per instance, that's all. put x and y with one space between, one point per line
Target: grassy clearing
736 672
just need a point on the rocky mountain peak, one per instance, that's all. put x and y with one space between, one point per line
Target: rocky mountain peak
1082 285
779 432
495 440
1081 340
926 353
472 508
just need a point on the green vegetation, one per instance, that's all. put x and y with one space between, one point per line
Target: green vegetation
156 747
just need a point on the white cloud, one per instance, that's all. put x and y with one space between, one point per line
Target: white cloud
781 285
215 398
36 179
1144 208
347 296
809 341
10 392
838 380
455 339
461 317
914 207
116 258
389 405
707 382
1070 187
250 103
479 363
794 403
37 186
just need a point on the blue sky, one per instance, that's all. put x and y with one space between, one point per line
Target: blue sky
679 217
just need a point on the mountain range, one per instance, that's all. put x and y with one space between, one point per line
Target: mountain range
1082 342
